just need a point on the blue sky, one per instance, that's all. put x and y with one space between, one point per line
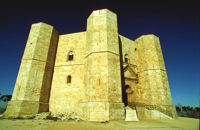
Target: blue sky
177 24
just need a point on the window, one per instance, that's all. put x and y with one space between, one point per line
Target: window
126 58
69 78
70 56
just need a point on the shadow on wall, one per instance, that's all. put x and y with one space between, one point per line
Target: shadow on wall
4 101
124 96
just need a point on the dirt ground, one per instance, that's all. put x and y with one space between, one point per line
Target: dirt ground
177 124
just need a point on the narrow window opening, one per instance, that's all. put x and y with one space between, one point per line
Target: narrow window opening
126 58
69 78
70 56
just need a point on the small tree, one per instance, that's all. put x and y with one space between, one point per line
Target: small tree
197 109
184 108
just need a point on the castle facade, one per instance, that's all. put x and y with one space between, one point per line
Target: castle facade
95 73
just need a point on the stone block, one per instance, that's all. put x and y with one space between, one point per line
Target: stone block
18 108
131 114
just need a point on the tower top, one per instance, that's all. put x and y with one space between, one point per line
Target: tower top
101 12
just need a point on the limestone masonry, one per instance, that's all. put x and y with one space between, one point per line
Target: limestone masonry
96 74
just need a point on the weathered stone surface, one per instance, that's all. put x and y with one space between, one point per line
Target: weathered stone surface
128 48
146 113
17 108
67 97
153 87
33 83
93 74
102 67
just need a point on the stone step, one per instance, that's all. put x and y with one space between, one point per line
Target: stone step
131 114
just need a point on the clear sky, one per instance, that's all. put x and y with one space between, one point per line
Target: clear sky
176 23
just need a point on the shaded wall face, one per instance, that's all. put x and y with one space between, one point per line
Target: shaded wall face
128 47
129 69
67 94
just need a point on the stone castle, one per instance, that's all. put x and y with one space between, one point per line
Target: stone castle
96 73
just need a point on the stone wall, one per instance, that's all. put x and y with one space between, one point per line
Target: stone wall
91 72
128 47
153 88
67 97
102 68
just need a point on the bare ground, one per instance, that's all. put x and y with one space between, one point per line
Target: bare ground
177 124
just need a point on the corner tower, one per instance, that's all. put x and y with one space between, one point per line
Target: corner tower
32 88
153 92
102 68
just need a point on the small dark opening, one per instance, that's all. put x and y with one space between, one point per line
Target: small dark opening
126 59
69 79
135 49
70 57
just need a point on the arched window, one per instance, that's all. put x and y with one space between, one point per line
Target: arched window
70 56
69 78
126 58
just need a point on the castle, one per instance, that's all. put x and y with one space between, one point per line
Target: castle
95 73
